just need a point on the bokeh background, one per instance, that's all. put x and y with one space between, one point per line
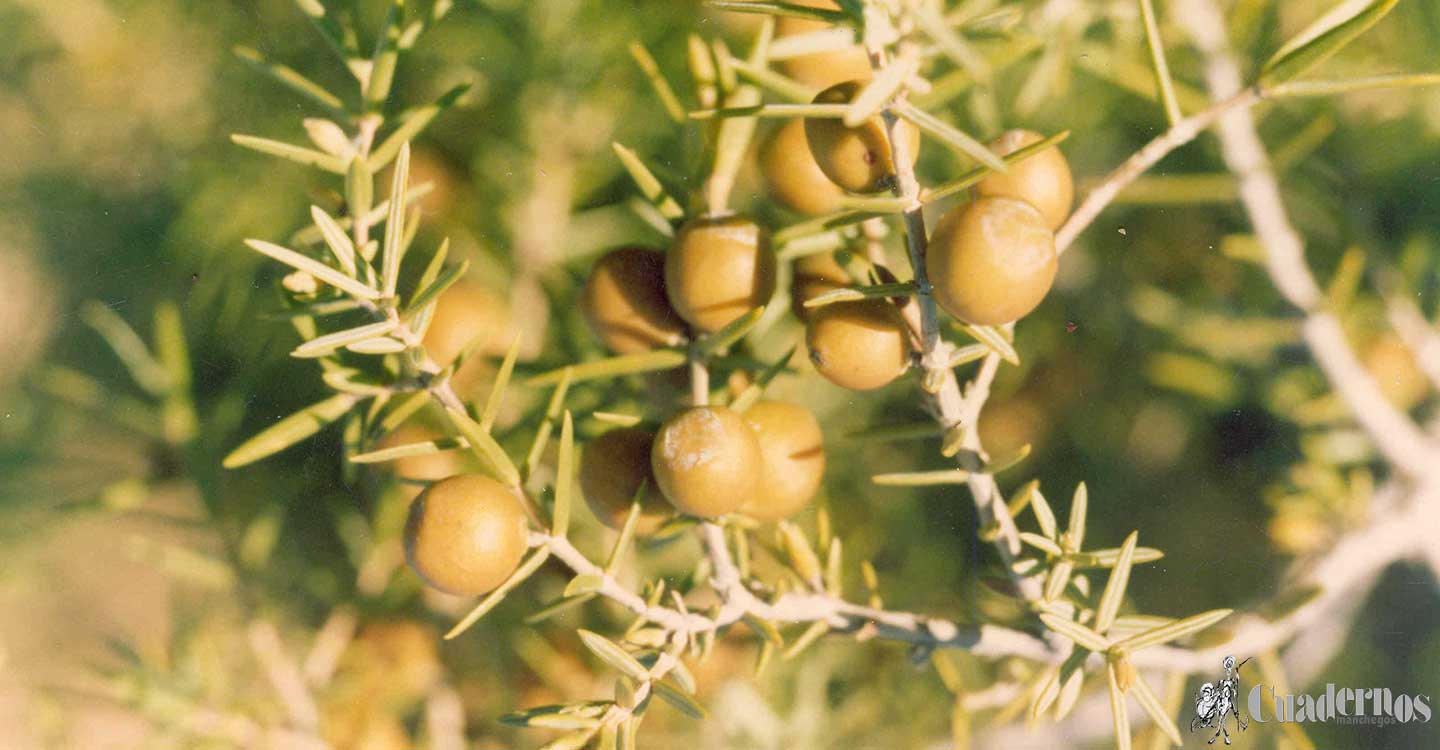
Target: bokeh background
1163 371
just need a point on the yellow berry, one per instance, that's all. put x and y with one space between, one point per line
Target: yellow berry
465 534
624 302
859 345
813 276
1042 179
612 468
1395 370
991 262
718 270
792 459
468 312
857 159
706 460
821 69
792 175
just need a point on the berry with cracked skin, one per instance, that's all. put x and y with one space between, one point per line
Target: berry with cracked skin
1042 179
706 460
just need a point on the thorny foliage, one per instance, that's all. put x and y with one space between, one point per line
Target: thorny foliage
361 295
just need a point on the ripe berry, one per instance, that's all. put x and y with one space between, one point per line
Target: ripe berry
792 459
719 269
792 175
992 261
466 311
624 302
1043 179
466 534
859 345
706 460
857 159
1395 370
821 69
813 276
611 470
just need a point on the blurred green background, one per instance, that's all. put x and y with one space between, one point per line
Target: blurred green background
1163 371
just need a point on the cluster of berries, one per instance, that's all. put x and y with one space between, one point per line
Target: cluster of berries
990 261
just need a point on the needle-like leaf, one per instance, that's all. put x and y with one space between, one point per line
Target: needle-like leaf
1163 81
1115 587
290 430
526 569
314 268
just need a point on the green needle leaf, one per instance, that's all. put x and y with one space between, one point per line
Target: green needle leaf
429 294
976 175
647 64
393 248
1330 88
1118 710
730 334
1157 59
412 124
1106 558
290 430
648 183
1151 703
584 584
1323 38
1043 514
627 531
564 478
781 9
491 455
677 698
1040 542
850 294
327 344
314 268
755 390
625 364
612 654
1081 635
426 448
993 338
1173 631
128 346
336 239
922 478
387 54
526 569
1079 506
1115 587
951 136
497 389
878 91
290 152
288 77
